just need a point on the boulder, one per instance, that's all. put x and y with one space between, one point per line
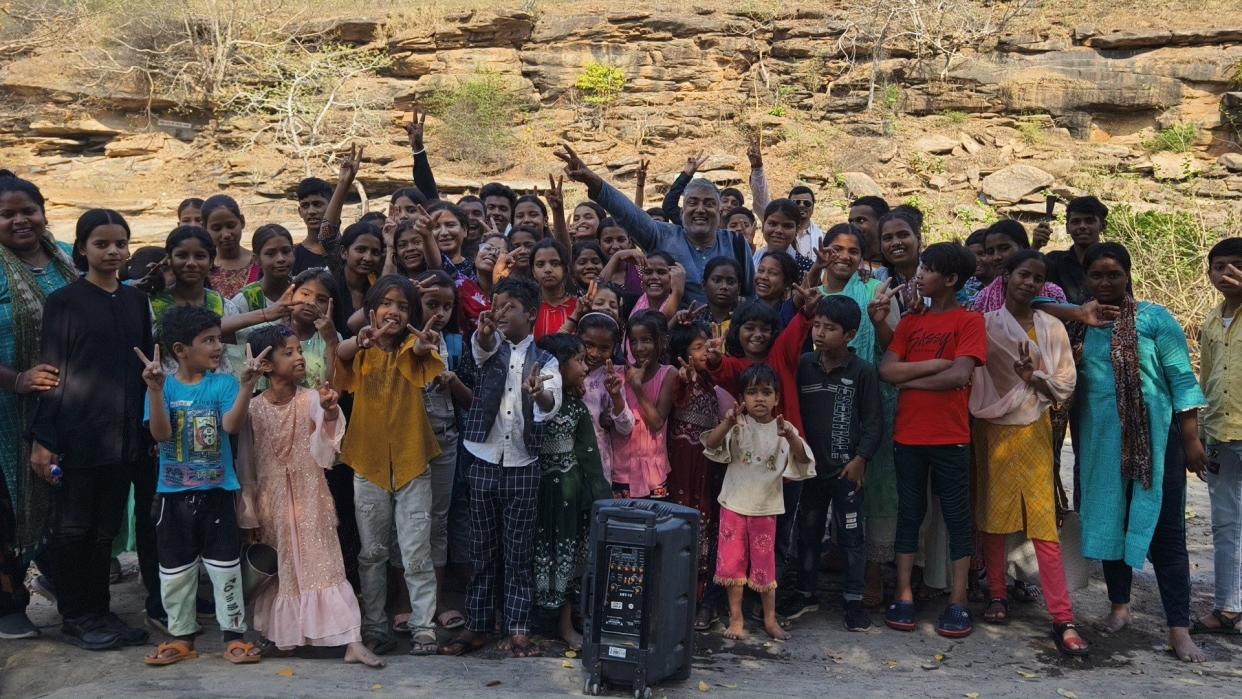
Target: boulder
968 143
860 184
936 144
1175 166
1011 183
1230 161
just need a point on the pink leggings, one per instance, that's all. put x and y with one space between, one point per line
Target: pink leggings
1051 574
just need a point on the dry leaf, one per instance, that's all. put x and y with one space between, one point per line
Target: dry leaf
285 672
376 687
891 663
570 654
939 657
1025 674
1066 693
726 686
971 695
492 683
704 687
566 663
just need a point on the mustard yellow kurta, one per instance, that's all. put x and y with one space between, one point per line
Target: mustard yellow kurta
390 440
1015 490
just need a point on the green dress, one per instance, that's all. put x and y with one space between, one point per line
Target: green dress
572 480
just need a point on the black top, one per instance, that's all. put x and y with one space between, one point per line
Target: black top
94 417
304 259
1067 272
841 411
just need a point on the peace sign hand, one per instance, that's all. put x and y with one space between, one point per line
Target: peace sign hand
152 369
911 299
255 367
784 428
325 324
882 304
427 339
556 192
534 383
641 174
754 153
576 169
1023 366
694 161
612 382
152 281
806 299
735 414
414 128
686 372
715 346
351 163
368 333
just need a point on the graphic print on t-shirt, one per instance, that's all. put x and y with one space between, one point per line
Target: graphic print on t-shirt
844 395
192 459
928 345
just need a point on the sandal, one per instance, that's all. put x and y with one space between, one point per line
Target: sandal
954 622
180 650
463 644
401 623
454 620
705 618
269 649
1229 626
997 611
425 643
1076 647
241 653
900 616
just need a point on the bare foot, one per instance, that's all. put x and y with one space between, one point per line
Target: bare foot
773 627
358 653
1184 647
736 630
571 637
1118 618
520 646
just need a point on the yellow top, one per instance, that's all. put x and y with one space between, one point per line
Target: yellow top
1220 364
390 441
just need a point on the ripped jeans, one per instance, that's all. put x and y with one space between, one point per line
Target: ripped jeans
409 510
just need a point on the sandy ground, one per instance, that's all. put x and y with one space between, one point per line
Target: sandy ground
1017 660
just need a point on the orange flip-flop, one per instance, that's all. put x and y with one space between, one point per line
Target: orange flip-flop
241 653
181 651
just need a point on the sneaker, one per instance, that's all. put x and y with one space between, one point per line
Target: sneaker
130 636
91 632
797 604
856 617
17 625
41 585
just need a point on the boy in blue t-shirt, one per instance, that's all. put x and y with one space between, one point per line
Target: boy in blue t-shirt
191 415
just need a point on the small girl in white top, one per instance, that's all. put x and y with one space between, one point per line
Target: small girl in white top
762 451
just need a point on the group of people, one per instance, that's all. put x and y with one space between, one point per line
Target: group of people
433 398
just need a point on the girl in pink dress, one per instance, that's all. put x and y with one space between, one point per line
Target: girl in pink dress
295 433
640 460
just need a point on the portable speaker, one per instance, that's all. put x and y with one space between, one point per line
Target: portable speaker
638 594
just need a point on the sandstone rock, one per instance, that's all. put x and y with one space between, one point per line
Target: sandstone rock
720 162
81 127
486 28
414 65
1155 38
1030 43
125 207
354 31
1175 166
1231 161
969 144
860 184
937 182
138 144
1012 183
936 144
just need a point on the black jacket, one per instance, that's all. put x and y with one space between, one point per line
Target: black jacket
842 415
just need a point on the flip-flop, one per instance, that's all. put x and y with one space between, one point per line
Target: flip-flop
455 620
997 611
241 653
1058 637
401 623
1228 626
181 651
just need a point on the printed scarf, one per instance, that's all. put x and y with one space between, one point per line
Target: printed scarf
1135 431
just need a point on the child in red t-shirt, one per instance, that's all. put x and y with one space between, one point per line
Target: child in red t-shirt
933 353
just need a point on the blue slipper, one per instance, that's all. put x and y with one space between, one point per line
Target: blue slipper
900 616
954 622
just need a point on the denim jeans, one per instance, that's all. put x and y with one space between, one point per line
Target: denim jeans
1225 489
846 501
378 511
949 468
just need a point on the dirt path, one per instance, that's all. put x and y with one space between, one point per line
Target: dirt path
1018 660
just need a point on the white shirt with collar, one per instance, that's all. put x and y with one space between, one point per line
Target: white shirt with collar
504 444
808 242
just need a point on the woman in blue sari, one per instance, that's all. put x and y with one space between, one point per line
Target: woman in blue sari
1139 402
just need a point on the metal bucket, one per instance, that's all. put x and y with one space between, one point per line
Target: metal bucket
258 569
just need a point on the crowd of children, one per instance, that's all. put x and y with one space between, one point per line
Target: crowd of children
428 401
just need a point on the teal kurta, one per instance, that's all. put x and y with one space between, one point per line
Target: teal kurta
1169 387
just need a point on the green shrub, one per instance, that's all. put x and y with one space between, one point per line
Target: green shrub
1032 132
954 116
1235 79
1178 138
600 84
1168 253
481 111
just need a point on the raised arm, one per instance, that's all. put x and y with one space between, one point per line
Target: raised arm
423 179
644 231
640 182
344 180
759 196
556 205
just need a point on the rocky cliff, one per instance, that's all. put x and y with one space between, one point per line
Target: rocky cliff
986 128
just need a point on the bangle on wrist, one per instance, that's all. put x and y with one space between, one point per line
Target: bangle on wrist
420 150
